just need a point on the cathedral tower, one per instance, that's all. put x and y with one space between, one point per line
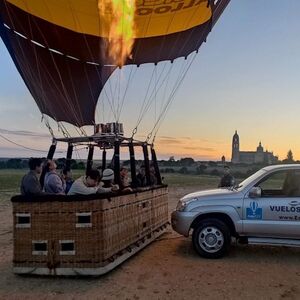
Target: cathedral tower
259 155
235 158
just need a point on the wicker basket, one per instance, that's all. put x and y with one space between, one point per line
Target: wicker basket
86 235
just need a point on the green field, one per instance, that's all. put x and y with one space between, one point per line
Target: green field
203 181
10 181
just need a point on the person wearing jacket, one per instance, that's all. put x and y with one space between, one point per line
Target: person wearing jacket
53 184
227 179
30 184
86 185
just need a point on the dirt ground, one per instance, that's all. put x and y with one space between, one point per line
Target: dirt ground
167 269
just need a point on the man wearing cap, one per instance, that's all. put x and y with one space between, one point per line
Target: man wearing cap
227 179
107 182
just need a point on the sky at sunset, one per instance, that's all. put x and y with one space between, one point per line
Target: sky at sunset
245 78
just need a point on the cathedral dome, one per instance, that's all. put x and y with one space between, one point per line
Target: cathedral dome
260 148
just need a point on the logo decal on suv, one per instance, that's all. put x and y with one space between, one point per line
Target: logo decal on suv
254 212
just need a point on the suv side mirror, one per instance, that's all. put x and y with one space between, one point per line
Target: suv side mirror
255 192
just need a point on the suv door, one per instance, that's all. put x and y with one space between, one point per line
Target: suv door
277 212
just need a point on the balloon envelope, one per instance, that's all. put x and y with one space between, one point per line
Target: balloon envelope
62 49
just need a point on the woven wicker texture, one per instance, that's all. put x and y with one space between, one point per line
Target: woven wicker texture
85 233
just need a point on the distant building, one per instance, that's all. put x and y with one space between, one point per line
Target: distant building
250 157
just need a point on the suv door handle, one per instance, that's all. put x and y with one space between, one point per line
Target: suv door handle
294 203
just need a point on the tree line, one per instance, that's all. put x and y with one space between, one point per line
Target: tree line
18 163
186 165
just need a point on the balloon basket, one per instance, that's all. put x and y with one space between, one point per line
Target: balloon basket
85 235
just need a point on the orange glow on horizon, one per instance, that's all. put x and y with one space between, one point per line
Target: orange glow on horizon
200 149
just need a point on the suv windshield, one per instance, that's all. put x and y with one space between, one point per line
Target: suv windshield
250 179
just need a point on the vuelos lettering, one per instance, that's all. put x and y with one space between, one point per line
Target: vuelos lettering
285 209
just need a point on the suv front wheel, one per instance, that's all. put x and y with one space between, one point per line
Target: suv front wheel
211 238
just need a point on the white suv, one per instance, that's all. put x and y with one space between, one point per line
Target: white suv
263 209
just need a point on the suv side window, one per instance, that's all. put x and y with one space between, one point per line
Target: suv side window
281 184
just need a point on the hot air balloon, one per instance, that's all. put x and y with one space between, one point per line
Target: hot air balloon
66 52
63 49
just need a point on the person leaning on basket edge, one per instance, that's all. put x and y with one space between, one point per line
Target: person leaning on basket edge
30 184
89 184
124 180
108 182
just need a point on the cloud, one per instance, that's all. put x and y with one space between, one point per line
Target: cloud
169 141
199 148
187 138
19 152
185 146
11 149
167 137
6 151
182 139
202 157
25 133
176 138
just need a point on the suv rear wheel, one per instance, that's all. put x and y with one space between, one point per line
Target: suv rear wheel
211 238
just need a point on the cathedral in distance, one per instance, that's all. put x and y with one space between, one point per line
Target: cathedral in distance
250 157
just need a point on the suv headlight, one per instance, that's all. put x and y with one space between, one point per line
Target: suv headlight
181 205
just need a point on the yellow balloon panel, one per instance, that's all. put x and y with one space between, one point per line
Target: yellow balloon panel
93 17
